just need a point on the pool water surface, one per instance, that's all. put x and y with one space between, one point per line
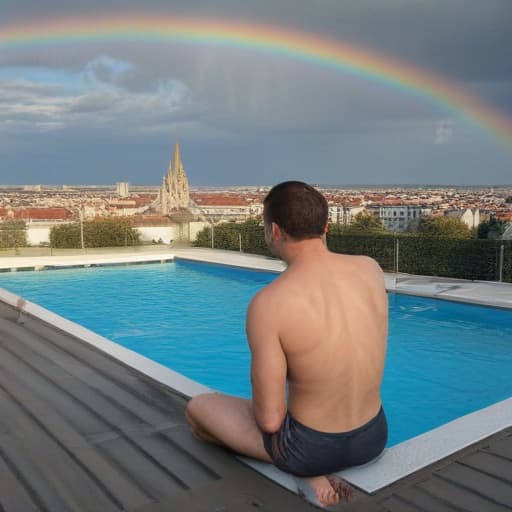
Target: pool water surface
444 359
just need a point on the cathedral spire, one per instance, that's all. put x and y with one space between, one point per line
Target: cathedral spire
175 193
176 161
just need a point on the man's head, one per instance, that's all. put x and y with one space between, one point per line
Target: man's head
297 208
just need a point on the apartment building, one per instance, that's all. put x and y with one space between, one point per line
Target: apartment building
343 214
398 217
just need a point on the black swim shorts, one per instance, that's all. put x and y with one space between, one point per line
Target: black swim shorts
302 451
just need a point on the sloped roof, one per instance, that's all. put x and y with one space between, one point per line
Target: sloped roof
36 213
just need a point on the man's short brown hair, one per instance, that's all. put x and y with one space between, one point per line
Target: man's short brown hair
297 208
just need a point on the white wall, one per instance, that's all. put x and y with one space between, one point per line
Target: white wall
150 233
38 234
476 218
195 227
471 218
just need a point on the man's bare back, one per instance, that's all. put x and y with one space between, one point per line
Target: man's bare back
330 313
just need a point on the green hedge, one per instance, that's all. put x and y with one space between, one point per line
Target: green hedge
12 234
466 259
100 232
379 247
228 235
430 256
421 255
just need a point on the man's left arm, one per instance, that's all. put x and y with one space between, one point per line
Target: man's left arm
268 365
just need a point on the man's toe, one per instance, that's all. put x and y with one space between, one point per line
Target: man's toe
340 487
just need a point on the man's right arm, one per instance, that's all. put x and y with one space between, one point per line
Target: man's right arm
268 365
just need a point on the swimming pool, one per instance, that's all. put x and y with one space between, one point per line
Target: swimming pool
444 359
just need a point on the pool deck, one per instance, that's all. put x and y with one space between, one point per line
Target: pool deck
89 425
79 430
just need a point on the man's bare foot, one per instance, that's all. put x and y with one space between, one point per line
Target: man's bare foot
324 490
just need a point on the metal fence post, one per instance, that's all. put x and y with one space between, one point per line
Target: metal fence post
240 240
213 236
500 270
397 253
81 214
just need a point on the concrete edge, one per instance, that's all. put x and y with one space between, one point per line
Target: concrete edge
233 259
53 262
490 303
421 451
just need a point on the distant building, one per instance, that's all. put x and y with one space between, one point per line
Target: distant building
175 191
122 189
133 205
398 217
224 207
33 188
38 221
343 214
470 216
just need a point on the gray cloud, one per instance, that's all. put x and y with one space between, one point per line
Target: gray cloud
227 102
226 91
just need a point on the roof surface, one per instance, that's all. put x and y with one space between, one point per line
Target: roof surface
37 213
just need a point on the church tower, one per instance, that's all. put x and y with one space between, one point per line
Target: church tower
175 192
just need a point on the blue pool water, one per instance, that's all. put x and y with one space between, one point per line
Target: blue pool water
444 359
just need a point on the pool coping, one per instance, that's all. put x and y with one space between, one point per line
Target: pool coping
396 462
19 263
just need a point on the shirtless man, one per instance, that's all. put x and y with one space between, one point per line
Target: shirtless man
321 328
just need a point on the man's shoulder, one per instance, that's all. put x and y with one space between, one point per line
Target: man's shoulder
269 291
370 263
269 297
362 261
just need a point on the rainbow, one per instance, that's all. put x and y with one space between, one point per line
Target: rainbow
348 59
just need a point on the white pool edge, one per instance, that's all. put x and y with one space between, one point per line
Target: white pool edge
395 463
152 369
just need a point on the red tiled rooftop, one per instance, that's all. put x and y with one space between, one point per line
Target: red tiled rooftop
223 199
36 213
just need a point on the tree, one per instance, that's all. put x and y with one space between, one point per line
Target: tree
443 227
65 236
482 230
492 229
13 234
366 223
496 228
413 226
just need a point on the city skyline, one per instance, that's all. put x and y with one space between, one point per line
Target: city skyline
98 106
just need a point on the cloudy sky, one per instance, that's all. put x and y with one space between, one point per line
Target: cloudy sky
101 111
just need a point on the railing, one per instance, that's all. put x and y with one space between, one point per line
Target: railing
473 259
